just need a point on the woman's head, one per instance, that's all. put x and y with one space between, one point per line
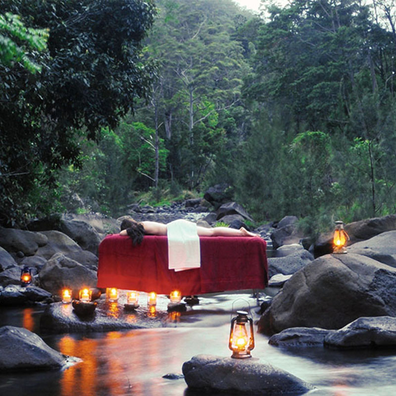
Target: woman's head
134 230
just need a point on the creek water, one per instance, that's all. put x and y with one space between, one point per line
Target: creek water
134 362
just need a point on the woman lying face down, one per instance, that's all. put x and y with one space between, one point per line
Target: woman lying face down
136 231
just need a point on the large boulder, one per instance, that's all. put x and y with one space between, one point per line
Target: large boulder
27 242
290 264
6 260
331 292
218 194
10 276
82 233
381 248
61 271
286 232
232 208
61 243
21 349
366 229
234 221
250 376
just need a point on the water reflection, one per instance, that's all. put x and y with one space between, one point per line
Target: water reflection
28 320
134 362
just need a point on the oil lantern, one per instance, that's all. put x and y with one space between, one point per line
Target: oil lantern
112 294
241 340
26 276
340 238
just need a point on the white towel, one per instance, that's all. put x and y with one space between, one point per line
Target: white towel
183 245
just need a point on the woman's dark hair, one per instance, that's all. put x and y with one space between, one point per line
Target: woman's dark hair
134 230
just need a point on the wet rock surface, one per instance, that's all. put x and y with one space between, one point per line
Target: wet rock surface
365 332
331 292
106 316
248 376
21 349
12 295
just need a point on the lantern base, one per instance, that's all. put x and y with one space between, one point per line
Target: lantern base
241 355
342 250
131 307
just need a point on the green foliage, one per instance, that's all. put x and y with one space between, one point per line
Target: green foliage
16 41
221 224
91 76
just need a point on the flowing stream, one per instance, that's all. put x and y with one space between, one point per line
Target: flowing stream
134 362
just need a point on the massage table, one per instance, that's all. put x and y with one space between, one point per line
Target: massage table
227 263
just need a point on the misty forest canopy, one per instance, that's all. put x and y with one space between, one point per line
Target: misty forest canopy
294 108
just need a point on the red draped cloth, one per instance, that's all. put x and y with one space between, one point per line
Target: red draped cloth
227 263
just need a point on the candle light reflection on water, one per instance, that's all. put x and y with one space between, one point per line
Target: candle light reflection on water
134 362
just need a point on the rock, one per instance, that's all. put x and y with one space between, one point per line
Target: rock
288 265
51 222
250 376
6 260
331 292
366 229
36 262
278 280
287 221
14 295
61 243
365 332
218 194
286 232
192 203
210 218
61 271
82 233
232 208
381 248
287 250
62 318
300 337
234 221
11 276
21 349
27 242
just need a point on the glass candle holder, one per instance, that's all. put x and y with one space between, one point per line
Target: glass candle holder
112 294
66 296
152 299
175 296
85 295
132 297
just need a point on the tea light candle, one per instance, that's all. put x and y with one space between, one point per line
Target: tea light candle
152 299
132 297
66 296
85 295
112 294
175 296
